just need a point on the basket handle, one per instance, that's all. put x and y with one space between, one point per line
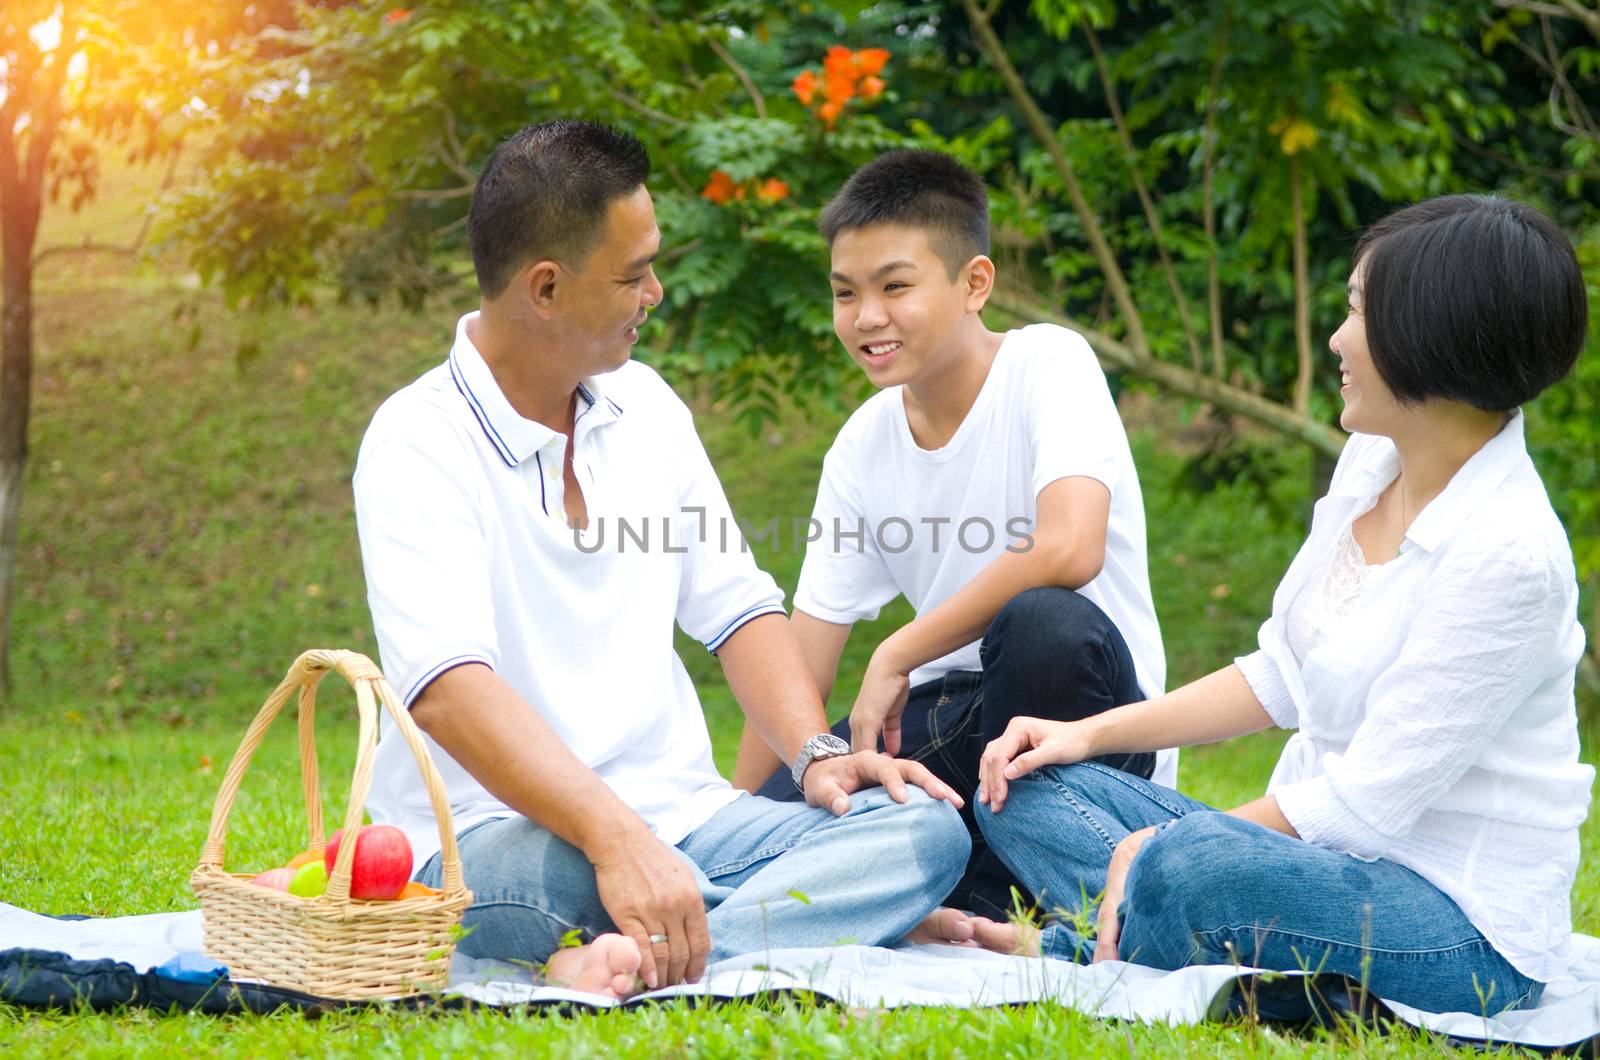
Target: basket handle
303 678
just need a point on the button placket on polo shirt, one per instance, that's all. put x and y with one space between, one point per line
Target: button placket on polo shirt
588 430
551 484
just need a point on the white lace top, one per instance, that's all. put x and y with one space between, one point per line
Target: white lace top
1320 601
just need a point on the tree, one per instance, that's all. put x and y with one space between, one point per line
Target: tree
75 77
40 43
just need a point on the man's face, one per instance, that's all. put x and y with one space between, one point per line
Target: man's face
895 306
603 304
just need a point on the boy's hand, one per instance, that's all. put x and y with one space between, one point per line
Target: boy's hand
879 705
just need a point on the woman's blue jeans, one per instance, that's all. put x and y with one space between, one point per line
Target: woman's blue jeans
1209 888
1049 653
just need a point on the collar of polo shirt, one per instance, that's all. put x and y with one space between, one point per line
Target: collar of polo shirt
513 436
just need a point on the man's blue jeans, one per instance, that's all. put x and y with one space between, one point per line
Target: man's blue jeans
1209 888
1049 653
867 877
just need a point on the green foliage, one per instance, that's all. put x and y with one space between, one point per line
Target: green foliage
342 153
345 152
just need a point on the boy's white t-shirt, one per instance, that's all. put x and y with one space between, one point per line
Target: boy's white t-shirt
893 518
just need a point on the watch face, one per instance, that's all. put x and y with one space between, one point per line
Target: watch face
824 745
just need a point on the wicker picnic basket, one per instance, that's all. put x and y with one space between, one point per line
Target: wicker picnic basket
332 945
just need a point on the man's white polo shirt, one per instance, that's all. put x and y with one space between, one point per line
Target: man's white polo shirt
468 558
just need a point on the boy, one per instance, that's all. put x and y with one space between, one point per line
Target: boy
990 482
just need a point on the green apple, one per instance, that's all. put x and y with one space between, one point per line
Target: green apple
310 880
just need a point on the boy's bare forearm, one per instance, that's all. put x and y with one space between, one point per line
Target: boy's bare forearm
821 643
966 615
756 761
1067 548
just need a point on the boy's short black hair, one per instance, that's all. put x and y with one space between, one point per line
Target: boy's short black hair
1471 298
919 189
543 195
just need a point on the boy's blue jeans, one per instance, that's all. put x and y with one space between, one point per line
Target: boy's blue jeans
1209 888
867 877
1049 653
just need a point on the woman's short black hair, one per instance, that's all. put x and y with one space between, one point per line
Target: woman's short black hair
919 189
543 195
1471 298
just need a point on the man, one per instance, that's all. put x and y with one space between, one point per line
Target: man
538 659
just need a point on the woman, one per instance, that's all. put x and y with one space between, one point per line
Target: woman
1420 832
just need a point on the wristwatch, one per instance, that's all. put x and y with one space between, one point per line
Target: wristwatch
824 745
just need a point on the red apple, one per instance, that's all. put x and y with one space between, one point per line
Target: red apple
381 867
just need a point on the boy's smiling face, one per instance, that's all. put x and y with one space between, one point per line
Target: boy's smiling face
895 306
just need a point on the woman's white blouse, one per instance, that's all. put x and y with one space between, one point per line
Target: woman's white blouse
1437 724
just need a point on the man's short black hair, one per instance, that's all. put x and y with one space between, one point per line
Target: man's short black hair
544 193
918 189
1471 298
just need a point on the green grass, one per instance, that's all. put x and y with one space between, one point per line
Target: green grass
188 531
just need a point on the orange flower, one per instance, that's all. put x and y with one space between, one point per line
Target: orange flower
773 190
838 89
399 14
719 189
846 75
869 61
805 86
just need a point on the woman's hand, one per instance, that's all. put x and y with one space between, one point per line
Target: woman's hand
1027 744
1110 928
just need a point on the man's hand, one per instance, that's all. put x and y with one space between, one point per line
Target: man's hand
1027 744
879 705
829 781
648 890
1110 928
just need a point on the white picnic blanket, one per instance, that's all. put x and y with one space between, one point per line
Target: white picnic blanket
875 977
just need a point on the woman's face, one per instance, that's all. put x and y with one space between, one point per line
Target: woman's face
1369 406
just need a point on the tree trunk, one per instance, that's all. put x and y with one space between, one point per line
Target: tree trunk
1302 293
19 224
10 512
